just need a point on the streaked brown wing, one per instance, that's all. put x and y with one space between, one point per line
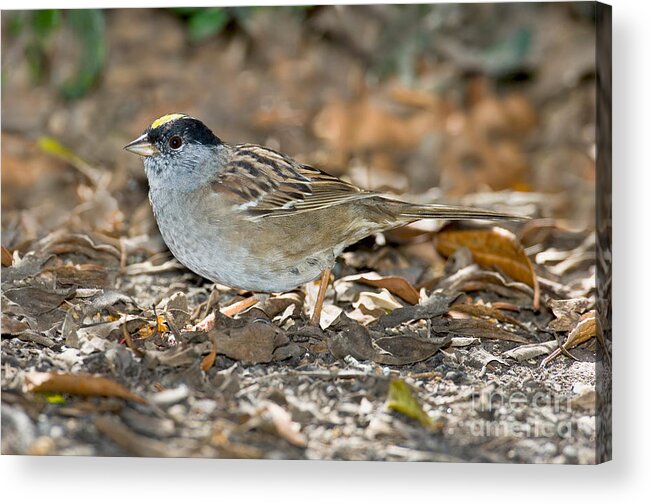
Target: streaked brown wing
266 183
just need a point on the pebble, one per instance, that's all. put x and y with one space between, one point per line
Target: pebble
571 452
204 406
454 376
586 425
178 412
170 396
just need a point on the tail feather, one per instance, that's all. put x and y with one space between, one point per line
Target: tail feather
409 213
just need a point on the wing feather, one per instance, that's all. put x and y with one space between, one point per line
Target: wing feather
266 183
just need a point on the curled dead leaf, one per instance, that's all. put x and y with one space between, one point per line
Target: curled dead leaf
397 285
495 247
525 352
477 310
209 360
78 384
7 258
587 328
371 305
477 328
282 423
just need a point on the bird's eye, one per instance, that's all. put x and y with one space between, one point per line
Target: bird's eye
176 142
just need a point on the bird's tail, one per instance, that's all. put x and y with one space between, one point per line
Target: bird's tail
408 212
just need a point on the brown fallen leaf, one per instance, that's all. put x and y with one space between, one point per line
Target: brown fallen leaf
478 328
371 305
568 312
397 285
437 304
254 343
78 384
13 326
82 275
478 310
7 258
495 247
38 298
401 350
96 249
126 336
209 360
277 304
355 340
23 268
587 328
503 305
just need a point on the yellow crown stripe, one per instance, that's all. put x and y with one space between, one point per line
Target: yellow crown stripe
165 119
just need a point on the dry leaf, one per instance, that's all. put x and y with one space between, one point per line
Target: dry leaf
84 385
254 343
370 306
38 299
495 247
397 285
477 328
587 328
7 258
12 325
209 360
283 424
525 352
355 340
437 304
82 275
478 310
329 314
401 350
568 312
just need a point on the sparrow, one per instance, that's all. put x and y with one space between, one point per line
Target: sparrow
253 218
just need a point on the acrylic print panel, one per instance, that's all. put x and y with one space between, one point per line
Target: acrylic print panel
370 232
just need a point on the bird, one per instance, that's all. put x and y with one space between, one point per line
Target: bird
253 218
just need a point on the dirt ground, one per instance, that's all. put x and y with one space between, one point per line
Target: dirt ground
438 342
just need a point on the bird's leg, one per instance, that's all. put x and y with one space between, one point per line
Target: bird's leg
323 286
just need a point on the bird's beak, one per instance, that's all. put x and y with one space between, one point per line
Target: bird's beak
142 146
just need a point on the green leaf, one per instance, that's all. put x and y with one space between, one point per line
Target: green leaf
45 21
17 23
403 400
53 147
55 398
90 29
207 22
36 59
186 11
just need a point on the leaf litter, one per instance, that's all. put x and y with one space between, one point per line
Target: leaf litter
418 323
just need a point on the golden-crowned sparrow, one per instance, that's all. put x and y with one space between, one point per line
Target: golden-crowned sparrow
253 218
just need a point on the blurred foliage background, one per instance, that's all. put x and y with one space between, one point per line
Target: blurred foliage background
466 102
